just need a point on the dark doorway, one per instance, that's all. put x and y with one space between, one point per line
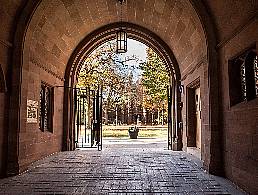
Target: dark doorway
194 118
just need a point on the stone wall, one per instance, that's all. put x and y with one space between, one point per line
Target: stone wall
240 122
3 104
3 137
9 11
35 144
58 26
237 26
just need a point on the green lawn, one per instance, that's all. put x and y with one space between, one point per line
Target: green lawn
113 131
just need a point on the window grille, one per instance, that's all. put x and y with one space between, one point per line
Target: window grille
256 74
243 77
249 75
46 108
243 80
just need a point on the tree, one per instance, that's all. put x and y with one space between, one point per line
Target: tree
121 92
155 79
104 67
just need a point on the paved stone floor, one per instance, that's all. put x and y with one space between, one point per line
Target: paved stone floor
118 169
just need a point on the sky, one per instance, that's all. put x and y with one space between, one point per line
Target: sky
134 48
138 49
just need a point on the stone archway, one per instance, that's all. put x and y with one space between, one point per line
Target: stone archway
100 36
47 33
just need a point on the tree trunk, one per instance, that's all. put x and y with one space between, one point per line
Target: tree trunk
116 116
106 115
163 115
88 112
158 116
152 117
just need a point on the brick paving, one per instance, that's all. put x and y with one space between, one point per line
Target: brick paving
116 170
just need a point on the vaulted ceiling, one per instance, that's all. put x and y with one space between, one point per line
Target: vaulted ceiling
58 26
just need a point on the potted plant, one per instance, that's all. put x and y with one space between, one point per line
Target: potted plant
133 132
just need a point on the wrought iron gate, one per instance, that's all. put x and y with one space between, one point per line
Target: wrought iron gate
175 124
170 122
88 117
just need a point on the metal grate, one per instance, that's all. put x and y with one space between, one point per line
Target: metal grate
243 80
88 117
256 74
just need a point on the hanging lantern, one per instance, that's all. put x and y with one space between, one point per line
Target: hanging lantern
121 34
121 41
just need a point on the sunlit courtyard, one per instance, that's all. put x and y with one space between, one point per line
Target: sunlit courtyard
122 96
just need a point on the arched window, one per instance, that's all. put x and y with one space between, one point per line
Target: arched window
2 81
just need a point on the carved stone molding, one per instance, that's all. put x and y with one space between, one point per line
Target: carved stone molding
194 67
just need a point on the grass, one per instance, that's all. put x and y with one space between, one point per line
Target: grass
144 132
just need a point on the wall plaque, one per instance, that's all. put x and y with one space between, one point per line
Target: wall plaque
32 111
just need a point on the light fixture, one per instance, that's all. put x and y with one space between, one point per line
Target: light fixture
121 34
121 41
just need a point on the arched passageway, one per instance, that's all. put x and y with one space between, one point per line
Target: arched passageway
44 41
45 55
132 93
102 35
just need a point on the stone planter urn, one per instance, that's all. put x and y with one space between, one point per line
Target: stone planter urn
133 132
